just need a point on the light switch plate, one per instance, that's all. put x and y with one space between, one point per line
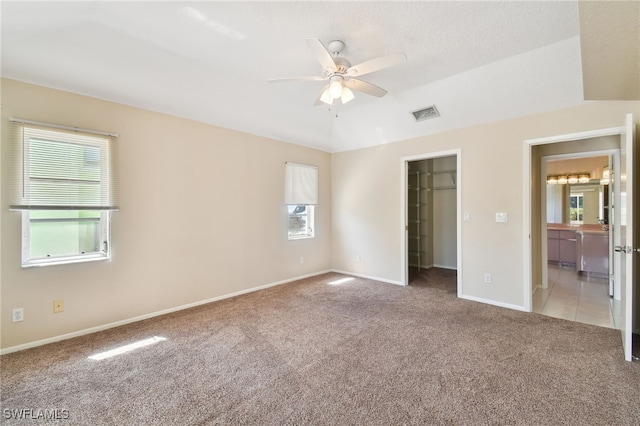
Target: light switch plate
501 217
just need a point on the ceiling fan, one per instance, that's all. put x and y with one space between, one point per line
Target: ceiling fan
342 77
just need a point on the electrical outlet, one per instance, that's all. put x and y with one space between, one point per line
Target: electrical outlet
466 216
58 306
358 258
487 278
17 315
301 260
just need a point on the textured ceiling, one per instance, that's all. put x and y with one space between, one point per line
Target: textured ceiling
209 61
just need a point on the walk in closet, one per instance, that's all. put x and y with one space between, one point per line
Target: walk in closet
431 213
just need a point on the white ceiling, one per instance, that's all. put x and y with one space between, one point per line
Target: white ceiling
209 61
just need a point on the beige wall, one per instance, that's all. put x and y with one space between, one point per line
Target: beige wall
367 198
202 212
202 215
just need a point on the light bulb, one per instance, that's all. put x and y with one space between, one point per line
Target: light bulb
335 89
326 97
347 95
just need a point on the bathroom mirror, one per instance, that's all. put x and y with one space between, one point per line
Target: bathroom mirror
578 204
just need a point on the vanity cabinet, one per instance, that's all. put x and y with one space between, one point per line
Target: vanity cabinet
553 246
562 247
593 253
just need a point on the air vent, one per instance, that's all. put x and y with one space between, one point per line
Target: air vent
426 113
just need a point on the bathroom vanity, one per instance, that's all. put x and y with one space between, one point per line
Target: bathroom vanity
583 247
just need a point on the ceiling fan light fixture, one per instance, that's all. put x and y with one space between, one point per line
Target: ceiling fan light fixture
326 97
347 95
335 88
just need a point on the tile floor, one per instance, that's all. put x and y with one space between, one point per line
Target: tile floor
575 297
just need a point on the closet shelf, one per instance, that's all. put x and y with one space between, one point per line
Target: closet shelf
436 188
441 188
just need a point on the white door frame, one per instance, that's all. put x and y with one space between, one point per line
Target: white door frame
404 167
526 195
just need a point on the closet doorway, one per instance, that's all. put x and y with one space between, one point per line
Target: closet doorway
431 198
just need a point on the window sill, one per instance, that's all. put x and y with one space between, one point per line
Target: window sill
301 237
64 261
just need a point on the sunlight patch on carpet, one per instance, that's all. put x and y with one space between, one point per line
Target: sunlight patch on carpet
341 281
127 348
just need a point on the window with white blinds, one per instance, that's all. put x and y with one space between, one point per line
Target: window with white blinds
62 170
301 184
301 196
63 181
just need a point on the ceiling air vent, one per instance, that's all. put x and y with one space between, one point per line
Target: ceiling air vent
426 113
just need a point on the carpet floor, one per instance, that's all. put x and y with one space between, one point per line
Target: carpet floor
335 350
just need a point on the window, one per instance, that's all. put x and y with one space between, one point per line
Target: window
576 208
300 222
65 188
301 195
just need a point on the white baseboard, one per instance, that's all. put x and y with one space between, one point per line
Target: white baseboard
150 315
452 268
369 277
494 303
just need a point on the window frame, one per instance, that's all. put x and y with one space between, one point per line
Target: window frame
49 177
103 254
579 209
310 214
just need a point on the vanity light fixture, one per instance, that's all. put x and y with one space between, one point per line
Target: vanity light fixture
570 179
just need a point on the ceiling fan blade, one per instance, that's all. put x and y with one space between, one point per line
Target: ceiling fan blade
364 87
376 64
321 53
289 79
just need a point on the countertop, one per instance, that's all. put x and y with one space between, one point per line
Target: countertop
581 229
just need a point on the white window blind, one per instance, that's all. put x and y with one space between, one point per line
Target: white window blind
301 184
61 169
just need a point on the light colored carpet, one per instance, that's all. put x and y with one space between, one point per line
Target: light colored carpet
355 352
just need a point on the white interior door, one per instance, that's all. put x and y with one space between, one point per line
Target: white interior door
624 251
